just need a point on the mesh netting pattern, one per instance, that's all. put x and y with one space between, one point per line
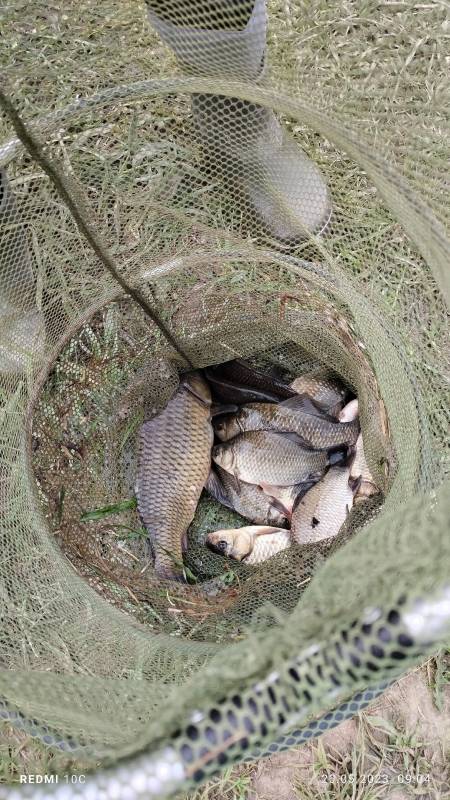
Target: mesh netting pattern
282 211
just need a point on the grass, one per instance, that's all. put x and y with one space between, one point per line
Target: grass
105 511
22 754
378 67
382 759
233 784
439 677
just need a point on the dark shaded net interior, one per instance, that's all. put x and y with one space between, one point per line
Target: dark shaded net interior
92 642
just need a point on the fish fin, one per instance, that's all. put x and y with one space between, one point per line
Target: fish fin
302 488
150 544
303 402
168 573
174 571
294 437
365 490
351 455
355 483
216 489
334 411
268 530
217 409
271 491
244 373
269 488
191 389
225 391
235 481
278 505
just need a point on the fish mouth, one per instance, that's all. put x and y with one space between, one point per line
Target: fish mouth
221 546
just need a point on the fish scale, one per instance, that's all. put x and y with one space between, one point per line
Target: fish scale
317 431
173 465
247 499
323 510
266 457
326 391
267 546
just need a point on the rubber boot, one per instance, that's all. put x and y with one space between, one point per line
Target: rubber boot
284 188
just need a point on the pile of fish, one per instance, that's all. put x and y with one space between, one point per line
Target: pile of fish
287 457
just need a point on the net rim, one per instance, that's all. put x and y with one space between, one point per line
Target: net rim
418 219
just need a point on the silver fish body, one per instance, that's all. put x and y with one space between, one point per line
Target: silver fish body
252 544
323 510
247 499
297 415
273 458
173 465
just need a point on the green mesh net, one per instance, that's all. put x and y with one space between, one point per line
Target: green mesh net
282 204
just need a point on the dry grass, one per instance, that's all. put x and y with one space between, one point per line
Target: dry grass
379 67
22 754
389 751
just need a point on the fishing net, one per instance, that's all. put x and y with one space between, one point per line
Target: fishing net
326 249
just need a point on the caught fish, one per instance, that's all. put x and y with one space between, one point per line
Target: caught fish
275 458
173 465
245 498
360 478
239 372
287 497
252 544
324 509
298 415
349 413
321 387
225 391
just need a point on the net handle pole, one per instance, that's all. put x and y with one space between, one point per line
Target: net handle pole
159 774
82 213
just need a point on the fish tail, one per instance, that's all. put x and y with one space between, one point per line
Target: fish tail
355 483
168 571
